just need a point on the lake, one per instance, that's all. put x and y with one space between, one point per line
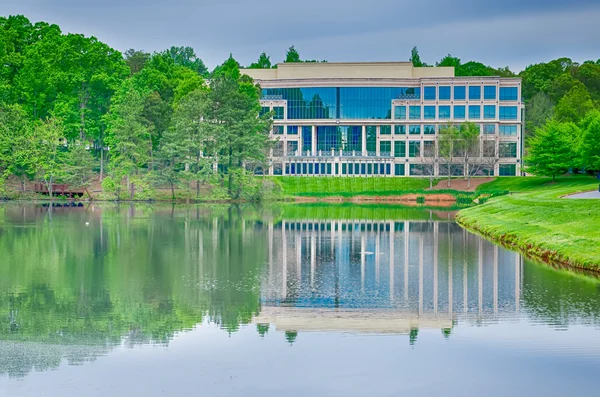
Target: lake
294 300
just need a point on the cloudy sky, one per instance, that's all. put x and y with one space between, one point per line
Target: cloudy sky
512 33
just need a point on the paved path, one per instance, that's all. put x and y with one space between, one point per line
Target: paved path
586 195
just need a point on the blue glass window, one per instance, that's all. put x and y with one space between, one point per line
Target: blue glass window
292 130
371 138
400 149
460 93
489 128
306 103
385 148
489 111
306 138
414 130
507 149
508 112
474 112
385 130
400 129
507 170
264 110
444 93
429 129
429 112
429 93
329 137
444 112
508 130
459 112
277 130
399 169
414 113
371 102
474 92
509 93
278 113
400 112
489 92
414 148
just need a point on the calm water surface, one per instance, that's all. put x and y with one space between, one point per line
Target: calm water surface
294 301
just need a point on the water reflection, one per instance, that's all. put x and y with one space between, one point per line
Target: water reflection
77 283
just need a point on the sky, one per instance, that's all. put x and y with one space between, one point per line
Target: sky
513 33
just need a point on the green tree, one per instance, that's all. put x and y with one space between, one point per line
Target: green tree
263 62
574 105
449 60
292 55
589 149
136 60
186 57
467 143
16 156
78 167
552 149
538 111
48 147
448 136
415 58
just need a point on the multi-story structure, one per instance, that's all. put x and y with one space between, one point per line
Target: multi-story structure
383 119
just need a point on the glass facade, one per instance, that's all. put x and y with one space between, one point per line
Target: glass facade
489 112
474 112
474 93
292 130
400 112
429 129
459 112
399 169
460 93
400 149
306 138
444 93
292 147
429 93
429 112
444 112
385 130
277 130
414 113
507 149
508 130
509 93
414 130
508 112
414 148
278 113
400 129
489 129
385 148
371 138
489 92
507 170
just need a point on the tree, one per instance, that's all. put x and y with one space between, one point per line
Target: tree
78 166
467 143
589 149
415 58
16 138
186 57
574 105
448 136
48 145
449 60
552 149
292 55
263 62
136 60
538 110
128 138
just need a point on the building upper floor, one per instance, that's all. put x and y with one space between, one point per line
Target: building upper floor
384 91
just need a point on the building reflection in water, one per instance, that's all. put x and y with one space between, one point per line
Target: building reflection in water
384 276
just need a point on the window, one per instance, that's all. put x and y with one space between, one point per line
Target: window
509 93
371 138
429 129
277 130
429 112
507 170
400 129
414 148
363 169
292 147
489 129
444 112
444 93
489 111
264 110
306 138
278 149
385 130
474 93
400 112
474 112
385 148
399 169
414 113
459 112
489 92
292 130
428 148
460 93
399 149
508 130
507 149
489 149
278 113
344 168
429 93
414 130
508 112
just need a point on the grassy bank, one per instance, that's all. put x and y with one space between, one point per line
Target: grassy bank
349 186
535 220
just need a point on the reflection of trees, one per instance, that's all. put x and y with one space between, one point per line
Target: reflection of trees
135 276
291 336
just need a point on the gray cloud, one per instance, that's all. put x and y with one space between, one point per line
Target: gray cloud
508 32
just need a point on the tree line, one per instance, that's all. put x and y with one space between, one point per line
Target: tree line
74 110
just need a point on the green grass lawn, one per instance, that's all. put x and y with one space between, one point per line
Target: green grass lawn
535 219
349 186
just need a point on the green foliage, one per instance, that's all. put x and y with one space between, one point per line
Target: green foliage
136 60
415 58
574 105
263 62
589 149
292 55
538 111
552 150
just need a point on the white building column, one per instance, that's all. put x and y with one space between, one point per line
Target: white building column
364 141
314 140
